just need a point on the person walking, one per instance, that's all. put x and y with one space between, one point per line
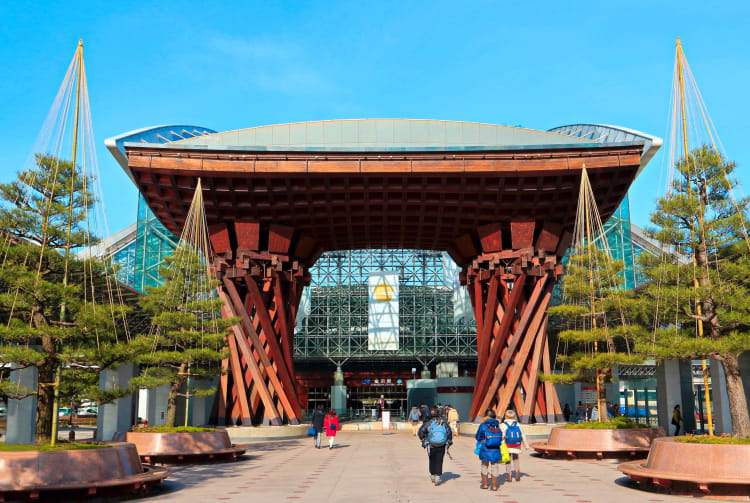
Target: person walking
414 417
676 419
331 425
436 438
425 411
489 436
514 439
611 410
566 413
452 416
317 422
580 413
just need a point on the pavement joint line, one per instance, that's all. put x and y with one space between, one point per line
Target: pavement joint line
385 469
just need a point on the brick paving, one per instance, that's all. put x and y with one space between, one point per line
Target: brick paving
371 467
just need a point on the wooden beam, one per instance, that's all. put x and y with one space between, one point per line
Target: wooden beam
219 237
521 234
219 412
237 374
519 362
531 308
247 324
489 313
284 368
536 359
480 389
490 236
240 342
554 413
281 301
549 237
247 233
280 238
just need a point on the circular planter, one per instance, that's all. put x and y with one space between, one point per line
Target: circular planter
112 470
594 443
719 470
182 447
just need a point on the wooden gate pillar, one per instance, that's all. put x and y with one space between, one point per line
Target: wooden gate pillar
262 288
510 289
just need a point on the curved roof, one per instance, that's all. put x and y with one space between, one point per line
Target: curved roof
603 133
392 183
381 134
153 134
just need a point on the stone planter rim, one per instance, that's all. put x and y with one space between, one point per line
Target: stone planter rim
573 432
228 449
148 475
639 468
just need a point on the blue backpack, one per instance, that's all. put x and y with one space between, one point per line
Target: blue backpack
437 434
493 437
512 434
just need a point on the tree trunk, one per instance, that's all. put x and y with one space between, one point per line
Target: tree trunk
736 394
601 399
174 388
45 399
45 388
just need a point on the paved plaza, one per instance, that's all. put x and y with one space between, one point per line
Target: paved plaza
372 467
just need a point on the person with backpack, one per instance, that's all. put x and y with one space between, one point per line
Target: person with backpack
489 436
452 417
514 439
425 411
580 413
331 425
318 417
436 437
414 417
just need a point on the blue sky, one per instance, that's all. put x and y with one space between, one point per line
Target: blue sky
226 65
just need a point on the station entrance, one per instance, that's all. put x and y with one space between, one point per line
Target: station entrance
500 201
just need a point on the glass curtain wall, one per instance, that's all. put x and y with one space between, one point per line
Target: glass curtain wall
336 325
153 242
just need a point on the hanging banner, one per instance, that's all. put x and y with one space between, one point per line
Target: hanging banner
382 311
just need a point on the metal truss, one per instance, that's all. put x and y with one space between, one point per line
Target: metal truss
336 326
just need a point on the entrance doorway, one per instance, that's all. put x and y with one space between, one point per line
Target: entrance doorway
318 396
365 401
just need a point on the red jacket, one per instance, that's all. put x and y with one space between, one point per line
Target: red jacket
331 425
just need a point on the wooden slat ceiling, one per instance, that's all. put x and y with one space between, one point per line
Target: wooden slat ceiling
351 200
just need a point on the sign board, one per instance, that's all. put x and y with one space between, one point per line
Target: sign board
588 394
382 311
386 417
381 382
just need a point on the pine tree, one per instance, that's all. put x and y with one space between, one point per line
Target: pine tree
593 321
189 333
705 274
48 321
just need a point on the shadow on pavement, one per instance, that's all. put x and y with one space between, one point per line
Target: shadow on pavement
186 476
273 445
450 476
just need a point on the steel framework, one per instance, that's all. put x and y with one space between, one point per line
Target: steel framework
336 325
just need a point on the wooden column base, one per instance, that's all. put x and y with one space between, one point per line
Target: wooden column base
510 291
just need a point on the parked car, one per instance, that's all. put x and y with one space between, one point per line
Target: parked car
88 412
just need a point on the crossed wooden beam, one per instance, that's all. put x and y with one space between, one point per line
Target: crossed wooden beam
510 290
